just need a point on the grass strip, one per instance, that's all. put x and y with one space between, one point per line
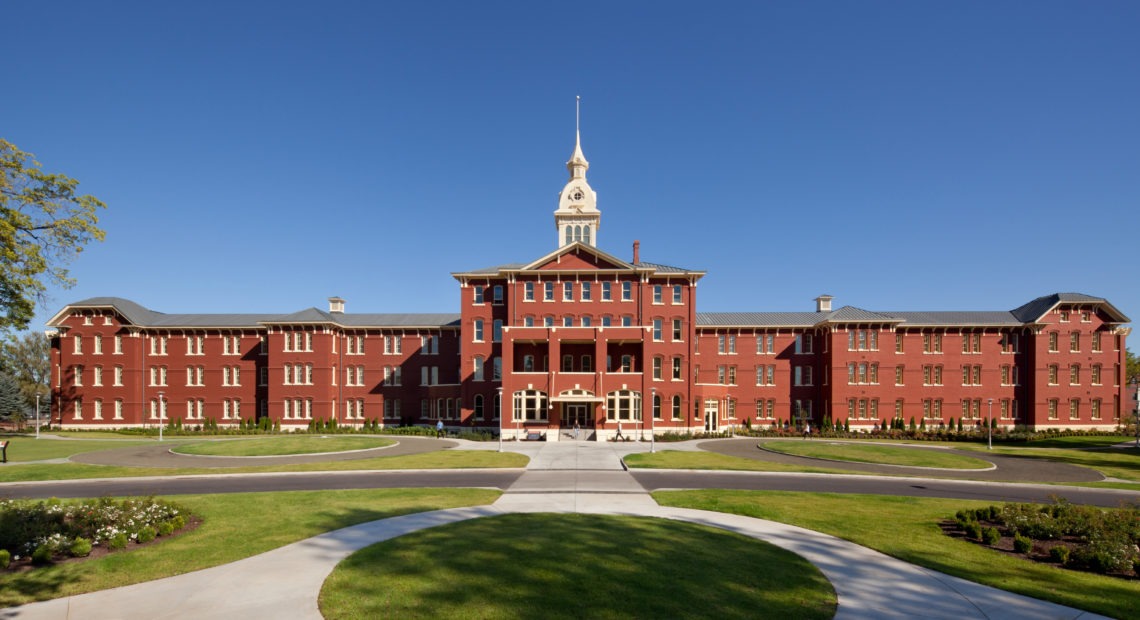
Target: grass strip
907 528
283 446
683 459
575 566
877 454
23 449
234 526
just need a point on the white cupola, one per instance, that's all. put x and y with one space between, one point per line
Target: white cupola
577 217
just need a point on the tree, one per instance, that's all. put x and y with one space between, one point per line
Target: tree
43 225
12 405
1132 366
26 358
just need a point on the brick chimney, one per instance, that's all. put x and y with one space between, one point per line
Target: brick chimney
636 252
336 304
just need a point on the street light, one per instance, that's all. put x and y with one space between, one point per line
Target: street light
1136 410
37 414
990 424
161 410
499 409
652 420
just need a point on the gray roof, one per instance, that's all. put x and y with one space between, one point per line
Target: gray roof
665 268
941 318
144 317
759 319
1037 308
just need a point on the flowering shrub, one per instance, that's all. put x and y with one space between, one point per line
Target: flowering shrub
54 527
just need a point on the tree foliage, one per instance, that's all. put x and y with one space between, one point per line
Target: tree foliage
43 226
1132 365
26 358
12 405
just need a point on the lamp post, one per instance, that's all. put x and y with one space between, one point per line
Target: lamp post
499 408
1136 410
653 420
37 414
161 409
990 424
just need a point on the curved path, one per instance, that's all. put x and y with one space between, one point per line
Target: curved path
1008 468
574 477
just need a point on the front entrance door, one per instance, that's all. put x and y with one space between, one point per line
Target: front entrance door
712 416
576 413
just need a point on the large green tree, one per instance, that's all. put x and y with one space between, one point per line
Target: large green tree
44 224
12 405
1132 365
26 358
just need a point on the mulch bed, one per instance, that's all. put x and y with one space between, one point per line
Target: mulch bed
24 564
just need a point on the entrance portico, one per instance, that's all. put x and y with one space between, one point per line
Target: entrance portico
576 410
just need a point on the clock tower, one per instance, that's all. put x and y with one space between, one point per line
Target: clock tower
577 217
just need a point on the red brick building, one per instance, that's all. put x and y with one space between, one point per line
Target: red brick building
582 339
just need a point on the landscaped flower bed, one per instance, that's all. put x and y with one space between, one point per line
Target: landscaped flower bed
39 533
1076 537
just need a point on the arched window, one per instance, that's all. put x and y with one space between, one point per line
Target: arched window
569 235
477 404
586 235
577 233
478 368
530 405
623 405
656 407
677 407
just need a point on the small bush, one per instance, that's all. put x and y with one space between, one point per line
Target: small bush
117 542
5 559
146 534
991 536
42 555
1059 554
80 548
178 522
1023 544
973 530
166 528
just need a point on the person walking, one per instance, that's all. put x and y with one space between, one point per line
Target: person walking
439 429
576 429
807 430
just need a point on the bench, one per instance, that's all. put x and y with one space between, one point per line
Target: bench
533 436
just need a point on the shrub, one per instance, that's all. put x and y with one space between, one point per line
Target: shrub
991 536
5 559
166 528
80 548
1059 554
117 542
1024 544
1106 554
42 555
178 522
973 530
146 534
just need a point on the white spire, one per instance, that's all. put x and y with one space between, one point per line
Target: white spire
577 217
578 164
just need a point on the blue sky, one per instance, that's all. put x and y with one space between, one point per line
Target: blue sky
262 156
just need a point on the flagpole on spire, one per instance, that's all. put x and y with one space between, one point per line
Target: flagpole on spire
577 112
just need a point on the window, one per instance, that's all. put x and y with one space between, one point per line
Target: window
97 376
932 343
548 321
478 376
478 295
732 376
478 330
898 343
118 344
1064 316
1011 343
657 294
623 405
1074 409
567 321
720 344
720 375
606 292
676 368
1094 409
1096 342
657 363
1086 316
567 291
77 375
899 375
1095 377
118 375
263 376
528 291
263 345
1075 342
586 286
548 291
1074 374
626 291
476 405
676 293
78 342
732 344
676 407
657 330
429 345
157 345
231 345
803 375
1053 342
676 330
803 343
587 363
1005 375
765 344
567 363
529 405
528 321
496 368
971 343
626 321
606 320
627 363
1053 374
497 294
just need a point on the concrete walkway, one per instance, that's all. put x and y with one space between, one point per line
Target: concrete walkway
562 477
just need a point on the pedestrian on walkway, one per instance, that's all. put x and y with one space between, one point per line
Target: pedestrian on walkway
439 429
576 429
807 430
619 433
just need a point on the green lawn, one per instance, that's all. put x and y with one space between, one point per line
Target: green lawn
907 528
876 453
575 566
447 459
284 446
23 449
1123 463
683 459
235 526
